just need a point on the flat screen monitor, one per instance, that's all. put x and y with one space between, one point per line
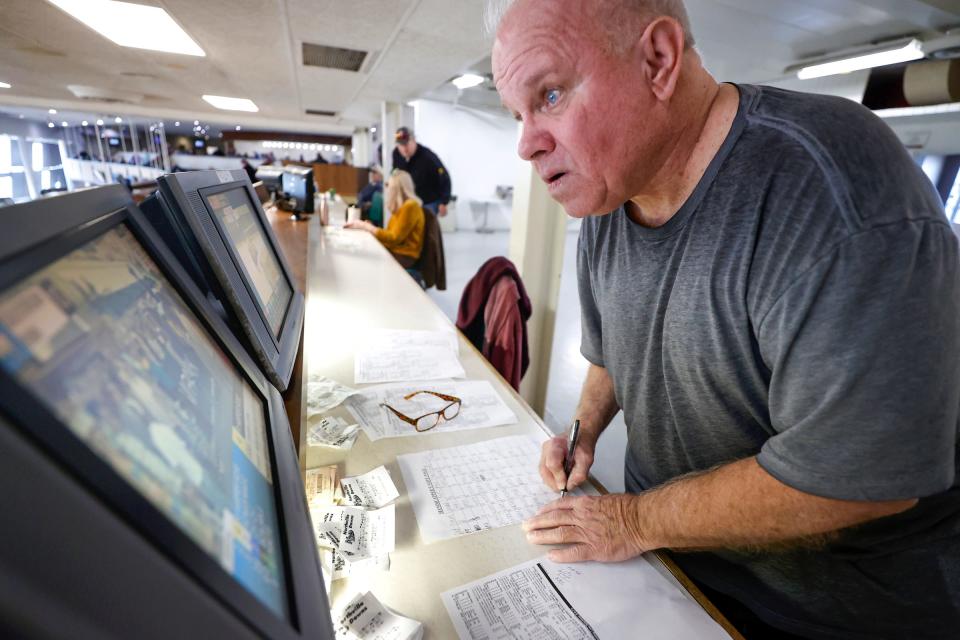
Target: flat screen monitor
151 487
298 186
215 225
271 177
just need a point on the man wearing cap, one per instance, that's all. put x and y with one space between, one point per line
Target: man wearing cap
429 175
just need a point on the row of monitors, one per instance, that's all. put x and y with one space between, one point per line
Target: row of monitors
213 222
151 485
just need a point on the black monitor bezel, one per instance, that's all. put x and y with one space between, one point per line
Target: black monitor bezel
277 357
205 193
54 228
306 203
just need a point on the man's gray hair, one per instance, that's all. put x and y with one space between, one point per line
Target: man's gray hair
648 9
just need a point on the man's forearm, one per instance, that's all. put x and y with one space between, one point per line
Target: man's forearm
598 404
740 505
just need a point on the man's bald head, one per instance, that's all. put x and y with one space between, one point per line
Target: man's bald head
619 18
604 89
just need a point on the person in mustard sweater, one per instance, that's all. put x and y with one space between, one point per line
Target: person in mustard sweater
403 236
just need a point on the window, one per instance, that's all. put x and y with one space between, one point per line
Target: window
46 163
13 179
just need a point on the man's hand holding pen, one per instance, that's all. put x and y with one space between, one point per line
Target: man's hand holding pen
602 528
553 458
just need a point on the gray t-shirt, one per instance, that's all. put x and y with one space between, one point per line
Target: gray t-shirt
803 306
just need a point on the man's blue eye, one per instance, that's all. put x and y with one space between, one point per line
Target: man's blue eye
553 96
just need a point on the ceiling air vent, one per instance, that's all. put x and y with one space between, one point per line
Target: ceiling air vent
318 55
320 112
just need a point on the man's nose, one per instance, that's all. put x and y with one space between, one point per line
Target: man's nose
534 141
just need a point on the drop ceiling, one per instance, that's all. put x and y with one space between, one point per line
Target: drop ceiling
413 48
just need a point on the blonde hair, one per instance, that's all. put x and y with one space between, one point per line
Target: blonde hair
399 189
616 21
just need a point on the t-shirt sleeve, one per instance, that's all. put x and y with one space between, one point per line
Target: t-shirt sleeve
863 351
591 331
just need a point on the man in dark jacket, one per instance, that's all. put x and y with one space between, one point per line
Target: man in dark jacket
429 175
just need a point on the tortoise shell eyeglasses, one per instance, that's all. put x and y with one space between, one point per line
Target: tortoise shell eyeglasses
429 420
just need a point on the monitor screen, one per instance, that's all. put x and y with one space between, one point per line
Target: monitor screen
235 212
103 339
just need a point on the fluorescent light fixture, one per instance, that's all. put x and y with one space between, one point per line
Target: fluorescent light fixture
934 109
5 85
52 112
373 129
894 54
231 104
132 25
36 155
467 80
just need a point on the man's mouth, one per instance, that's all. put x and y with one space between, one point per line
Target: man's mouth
555 177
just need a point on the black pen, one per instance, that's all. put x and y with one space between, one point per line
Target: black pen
568 462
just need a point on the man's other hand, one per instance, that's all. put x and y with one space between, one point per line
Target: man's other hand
601 528
442 210
551 463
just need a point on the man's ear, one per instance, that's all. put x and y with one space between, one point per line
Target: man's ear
661 48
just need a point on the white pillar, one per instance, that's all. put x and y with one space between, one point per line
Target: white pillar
391 114
361 147
537 238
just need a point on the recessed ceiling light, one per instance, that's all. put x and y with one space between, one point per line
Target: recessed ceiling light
467 80
118 119
84 123
231 104
124 23
196 122
99 123
52 112
238 127
50 124
64 124
177 123
373 129
4 85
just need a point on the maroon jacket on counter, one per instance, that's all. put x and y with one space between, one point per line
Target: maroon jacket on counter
493 315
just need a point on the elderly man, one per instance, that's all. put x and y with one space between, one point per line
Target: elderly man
429 175
770 293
